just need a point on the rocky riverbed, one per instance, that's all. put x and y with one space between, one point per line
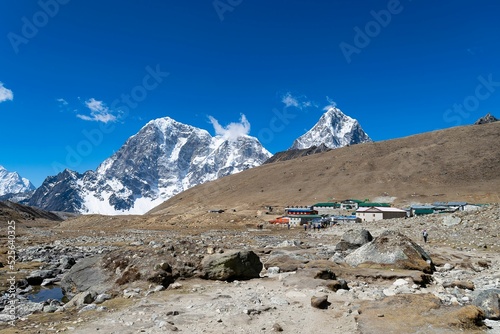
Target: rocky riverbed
129 275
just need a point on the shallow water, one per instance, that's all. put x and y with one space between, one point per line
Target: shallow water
43 293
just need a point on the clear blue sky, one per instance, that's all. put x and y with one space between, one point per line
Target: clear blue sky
399 67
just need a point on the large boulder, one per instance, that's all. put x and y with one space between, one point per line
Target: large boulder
38 276
233 265
353 239
87 274
489 302
391 250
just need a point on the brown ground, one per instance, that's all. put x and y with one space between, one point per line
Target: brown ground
458 164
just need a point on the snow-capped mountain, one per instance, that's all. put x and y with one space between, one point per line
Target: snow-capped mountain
334 129
164 158
13 183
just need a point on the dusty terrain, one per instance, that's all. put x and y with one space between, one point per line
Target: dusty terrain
144 274
373 303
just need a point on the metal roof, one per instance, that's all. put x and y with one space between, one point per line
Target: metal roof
449 203
327 204
305 216
418 207
379 209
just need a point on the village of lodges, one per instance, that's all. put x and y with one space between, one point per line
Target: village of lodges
327 214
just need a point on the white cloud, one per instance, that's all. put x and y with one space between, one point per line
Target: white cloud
233 130
5 94
99 112
62 102
331 104
290 101
297 102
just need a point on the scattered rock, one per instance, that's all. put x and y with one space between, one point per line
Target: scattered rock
277 328
489 302
85 275
320 302
451 220
353 239
391 250
232 265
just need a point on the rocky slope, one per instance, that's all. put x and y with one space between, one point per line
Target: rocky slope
334 129
150 275
297 153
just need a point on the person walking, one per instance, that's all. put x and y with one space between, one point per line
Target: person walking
424 234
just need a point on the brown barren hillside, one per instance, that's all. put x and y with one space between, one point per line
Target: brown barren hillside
460 163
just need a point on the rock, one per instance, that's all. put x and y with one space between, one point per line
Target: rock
49 281
391 250
130 293
50 308
6 317
85 275
353 239
81 299
28 308
101 298
336 285
400 282
451 220
90 307
277 328
325 274
273 270
67 262
489 302
175 286
288 243
284 262
488 118
36 277
232 265
459 284
320 302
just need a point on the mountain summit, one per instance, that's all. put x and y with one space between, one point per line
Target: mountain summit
164 158
334 129
13 183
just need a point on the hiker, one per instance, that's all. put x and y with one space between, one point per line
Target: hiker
424 234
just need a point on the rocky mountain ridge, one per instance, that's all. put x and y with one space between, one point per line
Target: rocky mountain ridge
164 158
334 129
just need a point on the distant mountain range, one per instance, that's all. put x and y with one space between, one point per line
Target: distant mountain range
13 183
166 157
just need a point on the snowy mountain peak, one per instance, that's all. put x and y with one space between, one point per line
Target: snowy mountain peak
334 129
164 158
13 183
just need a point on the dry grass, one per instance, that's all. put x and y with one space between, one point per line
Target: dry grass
456 164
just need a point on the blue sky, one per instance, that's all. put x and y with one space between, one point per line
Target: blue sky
80 77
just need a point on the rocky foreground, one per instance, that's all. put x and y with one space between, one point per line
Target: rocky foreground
362 278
